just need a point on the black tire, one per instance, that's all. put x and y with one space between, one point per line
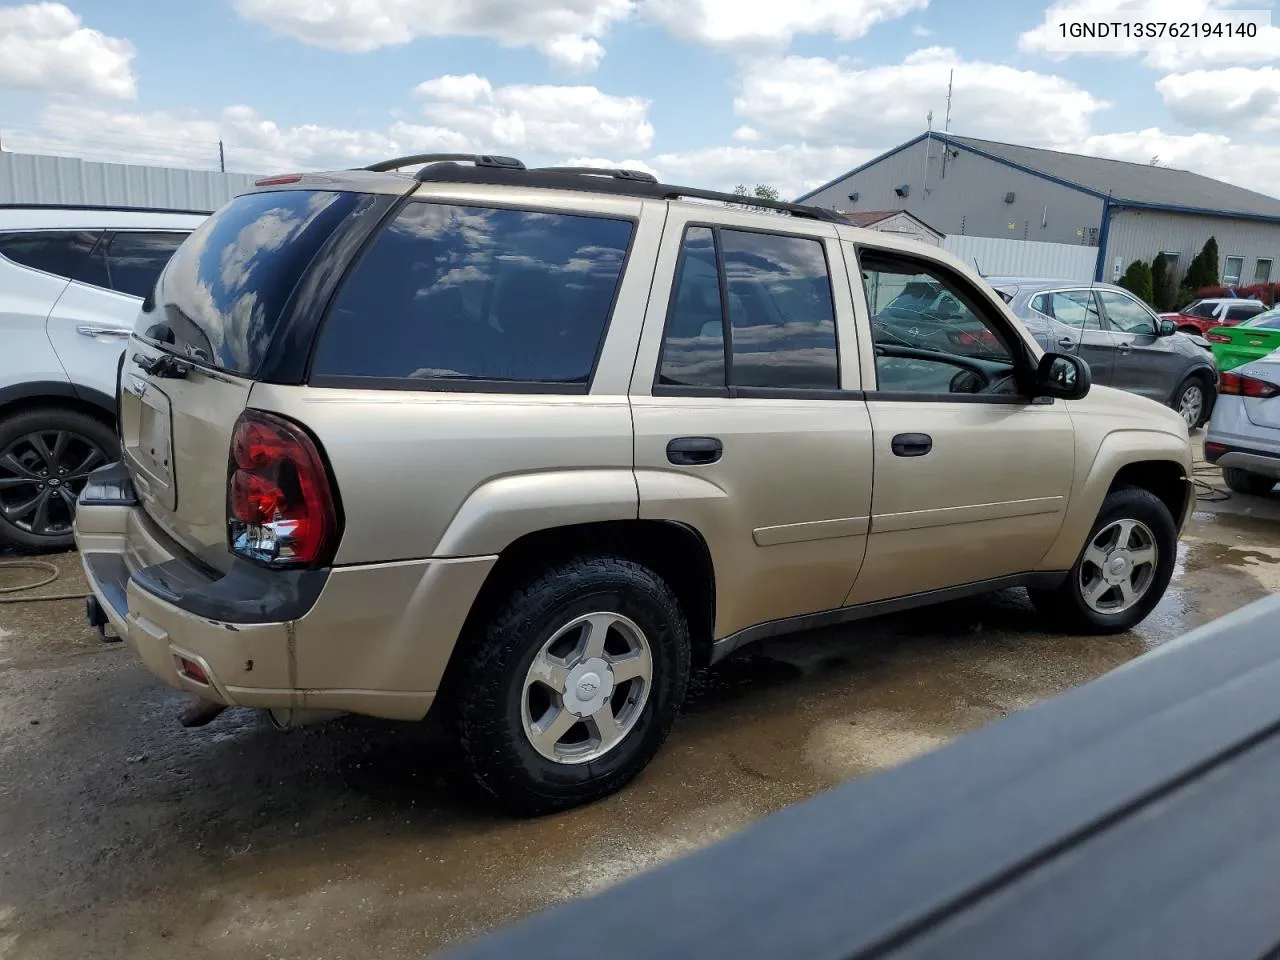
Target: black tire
486 701
1242 481
19 529
1065 607
1206 398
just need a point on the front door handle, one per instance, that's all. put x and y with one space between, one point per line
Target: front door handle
1125 348
97 330
693 451
912 444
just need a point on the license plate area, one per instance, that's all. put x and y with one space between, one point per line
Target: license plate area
146 420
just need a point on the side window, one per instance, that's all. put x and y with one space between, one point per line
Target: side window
58 252
451 292
782 331
1128 315
693 347
1077 308
782 318
1243 311
133 261
1041 303
932 336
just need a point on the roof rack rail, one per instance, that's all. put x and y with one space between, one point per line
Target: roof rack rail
617 173
479 159
782 206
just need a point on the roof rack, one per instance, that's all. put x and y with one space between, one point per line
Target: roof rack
479 159
630 183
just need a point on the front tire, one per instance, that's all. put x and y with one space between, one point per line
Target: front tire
1242 481
573 685
46 455
1123 570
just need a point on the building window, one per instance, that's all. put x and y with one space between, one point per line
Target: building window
1262 272
1231 271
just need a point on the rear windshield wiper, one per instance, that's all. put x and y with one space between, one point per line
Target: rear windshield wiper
166 365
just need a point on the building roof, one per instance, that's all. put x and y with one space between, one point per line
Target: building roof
1128 184
869 218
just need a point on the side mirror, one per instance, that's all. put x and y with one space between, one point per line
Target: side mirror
1064 376
1167 328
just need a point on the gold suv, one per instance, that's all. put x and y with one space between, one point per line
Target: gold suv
527 446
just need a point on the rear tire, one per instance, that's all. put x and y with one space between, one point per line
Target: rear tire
46 455
1086 602
521 740
1192 401
1242 481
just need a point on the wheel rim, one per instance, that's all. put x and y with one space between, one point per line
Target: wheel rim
41 475
1191 405
586 688
1119 566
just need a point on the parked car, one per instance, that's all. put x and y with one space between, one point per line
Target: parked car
71 281
525 447
1251 340
1244 436
1199 316
1123 340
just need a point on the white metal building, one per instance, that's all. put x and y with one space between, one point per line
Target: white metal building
1124 211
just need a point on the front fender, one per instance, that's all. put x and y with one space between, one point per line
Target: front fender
1119 449
503 510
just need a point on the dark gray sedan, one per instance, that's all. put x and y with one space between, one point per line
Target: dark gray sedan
1125 343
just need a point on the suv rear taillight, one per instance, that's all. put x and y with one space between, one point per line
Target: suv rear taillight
1237 385
281 507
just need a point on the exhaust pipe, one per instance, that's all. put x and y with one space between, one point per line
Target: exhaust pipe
290 718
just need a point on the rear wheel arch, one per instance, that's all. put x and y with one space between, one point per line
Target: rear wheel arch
21 397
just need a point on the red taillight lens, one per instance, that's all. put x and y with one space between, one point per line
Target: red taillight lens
1236 385
1217 338
278 180
281 510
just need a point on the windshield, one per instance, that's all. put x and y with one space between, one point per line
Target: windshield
221 296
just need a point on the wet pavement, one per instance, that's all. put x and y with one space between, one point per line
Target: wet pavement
122 834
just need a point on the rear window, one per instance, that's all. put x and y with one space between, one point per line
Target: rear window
61 253
223 292
467 293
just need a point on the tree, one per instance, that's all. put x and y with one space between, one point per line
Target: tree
761 192
1163 292
1202 272
1137 280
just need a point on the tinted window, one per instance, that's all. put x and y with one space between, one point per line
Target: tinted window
1268 321
1243 311
134 260
780 310
1077 308
477 293
56 252
224 290
693 351
923 342
1128 315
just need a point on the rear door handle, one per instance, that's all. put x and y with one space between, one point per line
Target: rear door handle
692 451
912 444
1066 342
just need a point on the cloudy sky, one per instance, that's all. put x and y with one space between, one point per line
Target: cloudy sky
789 93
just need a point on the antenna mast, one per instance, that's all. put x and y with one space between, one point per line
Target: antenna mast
947 125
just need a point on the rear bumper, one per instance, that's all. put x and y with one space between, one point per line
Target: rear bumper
1243 458
371 639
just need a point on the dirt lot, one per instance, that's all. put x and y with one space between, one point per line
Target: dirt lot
122 834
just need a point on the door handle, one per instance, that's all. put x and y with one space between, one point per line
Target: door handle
912 444
692 451
97 330
1125 348
1066 342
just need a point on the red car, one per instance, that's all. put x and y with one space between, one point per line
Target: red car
1200 316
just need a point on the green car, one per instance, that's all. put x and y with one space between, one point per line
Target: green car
1250 340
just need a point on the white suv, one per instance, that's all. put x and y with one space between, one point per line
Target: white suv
71 282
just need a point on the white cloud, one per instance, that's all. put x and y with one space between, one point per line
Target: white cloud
1160 54
566 31
825 101
745 134
1238 98
1249 165
548 119
769 23
44 46
600 162
791 169
921 31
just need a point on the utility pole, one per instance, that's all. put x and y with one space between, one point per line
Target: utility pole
946 147
222 158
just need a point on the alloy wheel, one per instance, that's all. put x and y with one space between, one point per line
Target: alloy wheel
1119 566
1191 405
41 475
586 688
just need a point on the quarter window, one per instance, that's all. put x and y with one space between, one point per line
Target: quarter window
466 293
61 253
781 317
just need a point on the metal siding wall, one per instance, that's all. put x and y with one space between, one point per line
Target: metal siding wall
999 257
971 199
28 178
1141 234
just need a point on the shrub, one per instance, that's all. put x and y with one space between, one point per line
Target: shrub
1137 280
1163 292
